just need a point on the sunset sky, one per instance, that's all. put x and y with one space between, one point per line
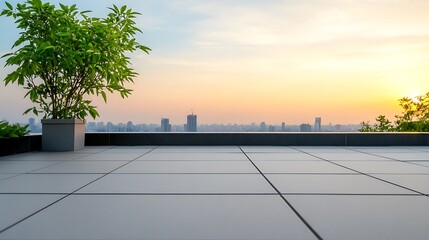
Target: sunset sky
244 61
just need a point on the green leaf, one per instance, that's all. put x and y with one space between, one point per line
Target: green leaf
103 94
7 55
5 12
123 8
9 5
27 111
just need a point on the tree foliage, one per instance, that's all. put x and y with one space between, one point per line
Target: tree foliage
414 117
63 56
382 125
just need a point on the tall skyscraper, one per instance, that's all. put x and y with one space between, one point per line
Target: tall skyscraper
165 125
318 124
191 124
283 127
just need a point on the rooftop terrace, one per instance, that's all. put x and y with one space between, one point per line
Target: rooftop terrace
216 192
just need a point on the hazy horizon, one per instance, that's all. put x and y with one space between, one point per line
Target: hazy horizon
253 61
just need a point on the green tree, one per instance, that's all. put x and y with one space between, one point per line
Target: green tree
414 117
382 125
63 56
415 114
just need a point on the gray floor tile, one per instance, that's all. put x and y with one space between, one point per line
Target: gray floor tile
164 217
194 156
94 149
365 217
386 149
112 156
188 167
197 149
423 163
416 182
24 166
323 149
150 147
349 156
131 149
46 183
180 183
6 176
282 156
384 167
15 207
83 167
418 148
299 167
268 149
406 156
333 184
44 156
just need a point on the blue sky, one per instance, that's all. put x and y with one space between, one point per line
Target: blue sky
251 61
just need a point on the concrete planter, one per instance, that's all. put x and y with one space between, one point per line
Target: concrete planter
60 135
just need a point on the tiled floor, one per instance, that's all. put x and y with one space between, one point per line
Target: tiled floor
225 192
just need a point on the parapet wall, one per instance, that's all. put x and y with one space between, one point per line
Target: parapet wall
274 139
10 146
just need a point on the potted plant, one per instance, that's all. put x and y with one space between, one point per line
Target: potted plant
64 56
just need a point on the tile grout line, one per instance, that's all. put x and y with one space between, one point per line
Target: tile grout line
71 193
62 162
365 174
213 194
389 158
284 199
54 164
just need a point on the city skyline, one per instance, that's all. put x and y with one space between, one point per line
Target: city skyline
254 61
166 126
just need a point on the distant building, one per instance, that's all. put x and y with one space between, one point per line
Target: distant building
305 127
165 125
32 125
109 127
337 127
191 123
130 126
271 128
283 127
318 124
263 127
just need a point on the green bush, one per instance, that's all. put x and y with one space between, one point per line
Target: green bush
12 130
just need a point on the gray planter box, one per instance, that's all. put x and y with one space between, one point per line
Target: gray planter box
63 135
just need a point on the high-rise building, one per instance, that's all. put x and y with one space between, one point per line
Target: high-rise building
32 124
191 123
305 127
318 124
165 125
271 128
283 127
263 127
